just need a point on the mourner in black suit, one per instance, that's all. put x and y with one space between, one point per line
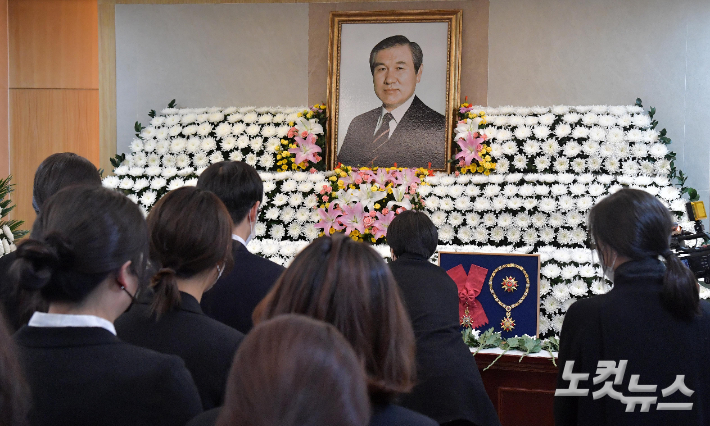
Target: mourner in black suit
86 256
190 237
207 346
234 297
651 318
403 130
87 376
449 387
54 173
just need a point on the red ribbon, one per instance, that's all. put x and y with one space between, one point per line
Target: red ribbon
469 288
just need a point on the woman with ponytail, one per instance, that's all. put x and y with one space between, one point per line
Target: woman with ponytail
651 324
87 257
190 242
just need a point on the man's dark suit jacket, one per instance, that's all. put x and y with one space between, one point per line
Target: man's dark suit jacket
418 139
207 346
630 323
232 300
449 386
87 376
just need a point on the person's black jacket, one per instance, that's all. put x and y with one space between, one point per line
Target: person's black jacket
630 323
207 346
233 298
419 138
87 376
449 385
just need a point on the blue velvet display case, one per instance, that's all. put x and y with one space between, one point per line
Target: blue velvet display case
506 279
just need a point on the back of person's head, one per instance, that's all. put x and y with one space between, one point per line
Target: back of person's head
634 224
14 392
414 233
236 183
295 371
60 171
347 284
190 233
81 235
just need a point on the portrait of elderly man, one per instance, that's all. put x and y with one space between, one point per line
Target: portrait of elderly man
403 130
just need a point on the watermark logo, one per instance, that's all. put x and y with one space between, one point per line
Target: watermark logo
607 369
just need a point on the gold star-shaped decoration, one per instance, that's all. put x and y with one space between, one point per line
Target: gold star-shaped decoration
466 319
507 324
509 284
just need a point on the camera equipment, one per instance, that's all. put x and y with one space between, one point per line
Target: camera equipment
697 259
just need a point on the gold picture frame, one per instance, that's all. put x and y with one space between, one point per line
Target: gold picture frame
452 19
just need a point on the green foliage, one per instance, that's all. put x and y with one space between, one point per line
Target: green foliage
151 114
6 206
118 160
172 104
138 127
491 339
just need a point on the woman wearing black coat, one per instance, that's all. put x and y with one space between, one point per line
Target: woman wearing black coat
87 256
652 320
190 238
449 388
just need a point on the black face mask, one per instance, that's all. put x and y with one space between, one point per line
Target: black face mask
134 297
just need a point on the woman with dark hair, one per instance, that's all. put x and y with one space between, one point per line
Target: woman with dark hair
449 389
14 392
58 171
347 284
651 325
87 257
295 371
190 240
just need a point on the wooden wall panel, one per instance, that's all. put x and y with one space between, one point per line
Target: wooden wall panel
4 139
107 88
45 121
54 44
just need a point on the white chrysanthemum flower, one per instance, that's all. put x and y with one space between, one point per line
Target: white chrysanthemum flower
233 118
489 220
472 219
579 165
547 119
251 159
294 230
669 193
520 162
446 233
522 132
204 129
541 132
658 150
634 135
642 120
551 270
599 287
201 118
580 132
161 147
153 170
499 120
303 215
545 286
216 157
268 131
432 203
175 184
505 220
236 156
465 234
168 161
566 203
305 186
223 130
513 234
250 117
480 235
439 191
287 214
446 204
178 145
612 165
571 117
193 145
228 143
296 200
510 190
158 183
497 234
630 168
522 110
208 144
561 164
282 131
190 130
280 199
238 129
256 144
438 218
503 135
139 159
538 220
547 234
569 272
557 322
530 236
607 120
502 166
253 130
556 220
149 146
272 213
542 189
587 271
510 148
289 185
590 119
277 232
139 184
243 142
456 219
550 147
499 203
111 182
574 218
175 130
560 109
266 119
148 198
200 159
663 166
126 183
551 304
572 149
567 303
269 185
530 121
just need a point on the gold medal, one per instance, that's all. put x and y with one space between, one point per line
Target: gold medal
509 284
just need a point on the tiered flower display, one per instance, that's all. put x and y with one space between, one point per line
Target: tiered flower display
363 202
304 142
547 166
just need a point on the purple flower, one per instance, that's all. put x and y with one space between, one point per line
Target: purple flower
329 219
353 218
382 223
306 149
469 148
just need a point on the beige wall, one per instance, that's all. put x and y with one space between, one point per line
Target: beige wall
547 52
53 88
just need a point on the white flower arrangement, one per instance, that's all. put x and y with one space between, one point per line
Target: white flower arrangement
551 166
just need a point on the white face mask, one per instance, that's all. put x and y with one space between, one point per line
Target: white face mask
252 230
609 270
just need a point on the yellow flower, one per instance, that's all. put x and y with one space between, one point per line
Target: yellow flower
332 231
286 154
372 239
482 113
484 122
284 142
310 114
480 169
327 205
340 183
487 172
290 124
488 148
487 158
343 174
355 233
377 206
278 157
352 186
284 167
323 106
389 190
293 166
332 178
300 114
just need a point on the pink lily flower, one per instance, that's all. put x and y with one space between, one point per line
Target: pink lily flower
306 149
406 177
329 219
353 218
382 223
469 148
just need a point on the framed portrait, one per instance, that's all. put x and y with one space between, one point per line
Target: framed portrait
497 290
393 84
